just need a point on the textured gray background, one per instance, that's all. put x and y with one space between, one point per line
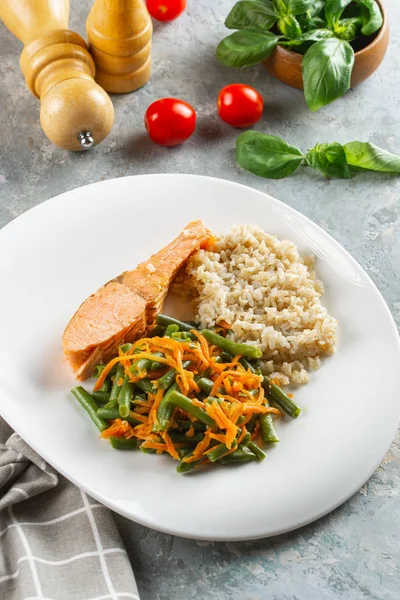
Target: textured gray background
354 553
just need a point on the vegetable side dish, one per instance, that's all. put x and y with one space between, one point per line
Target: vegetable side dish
194 395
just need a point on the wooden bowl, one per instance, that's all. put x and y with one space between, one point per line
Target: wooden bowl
285 65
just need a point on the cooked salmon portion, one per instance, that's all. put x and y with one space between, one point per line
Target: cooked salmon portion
121 310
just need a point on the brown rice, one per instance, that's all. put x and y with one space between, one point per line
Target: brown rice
270 296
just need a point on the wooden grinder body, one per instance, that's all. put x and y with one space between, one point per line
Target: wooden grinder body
120 33
60 71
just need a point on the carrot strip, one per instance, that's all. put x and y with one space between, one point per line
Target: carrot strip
118 429
170 446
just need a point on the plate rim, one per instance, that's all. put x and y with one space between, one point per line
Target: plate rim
113 505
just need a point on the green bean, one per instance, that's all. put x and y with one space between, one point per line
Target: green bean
212 399
267 428
137 398
256 450
186 404
166 380
125 348
276 394
183 336
183 452
247 365
166 321
231 347
111 404
147 450
187 424
122 443
141 365
169 377
155 365
226 357
184 467
87 402
182 437
106 387
109 414
97 371
219 451
116 388
125 397
252 423
239 456
192 324
157 331
171 329
146 386
245 440
165 410
100 397
206 385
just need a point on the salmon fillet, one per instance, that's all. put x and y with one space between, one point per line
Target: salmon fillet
121 310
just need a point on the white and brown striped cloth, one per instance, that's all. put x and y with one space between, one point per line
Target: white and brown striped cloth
56 543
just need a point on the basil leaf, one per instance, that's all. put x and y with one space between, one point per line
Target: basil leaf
289 26
334 9
327 67
298 7
246 48
371 158
347 29
310 36
330 159
266 155
371 15
251 13
316 8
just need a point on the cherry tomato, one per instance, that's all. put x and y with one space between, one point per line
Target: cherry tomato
170 121
165 10
240 105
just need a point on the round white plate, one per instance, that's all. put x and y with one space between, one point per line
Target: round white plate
57 254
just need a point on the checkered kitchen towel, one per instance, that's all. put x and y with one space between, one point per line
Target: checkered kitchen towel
56 543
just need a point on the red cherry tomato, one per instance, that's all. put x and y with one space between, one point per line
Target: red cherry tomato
170 121
165 10
240 105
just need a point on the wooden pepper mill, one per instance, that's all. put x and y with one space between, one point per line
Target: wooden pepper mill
119 33
75 112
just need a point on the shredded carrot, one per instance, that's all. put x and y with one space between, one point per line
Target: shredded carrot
224 324
170 446
118 429
199 450
190 431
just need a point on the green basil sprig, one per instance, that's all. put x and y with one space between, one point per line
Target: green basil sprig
271 157
321 30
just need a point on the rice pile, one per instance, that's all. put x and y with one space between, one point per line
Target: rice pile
269 295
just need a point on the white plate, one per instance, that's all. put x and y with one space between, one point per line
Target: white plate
55 255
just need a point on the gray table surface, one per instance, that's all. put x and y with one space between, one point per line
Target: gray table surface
353 553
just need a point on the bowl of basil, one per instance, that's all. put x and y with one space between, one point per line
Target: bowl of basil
322 46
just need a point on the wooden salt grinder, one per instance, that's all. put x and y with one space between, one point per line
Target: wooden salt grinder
75 112
119 33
